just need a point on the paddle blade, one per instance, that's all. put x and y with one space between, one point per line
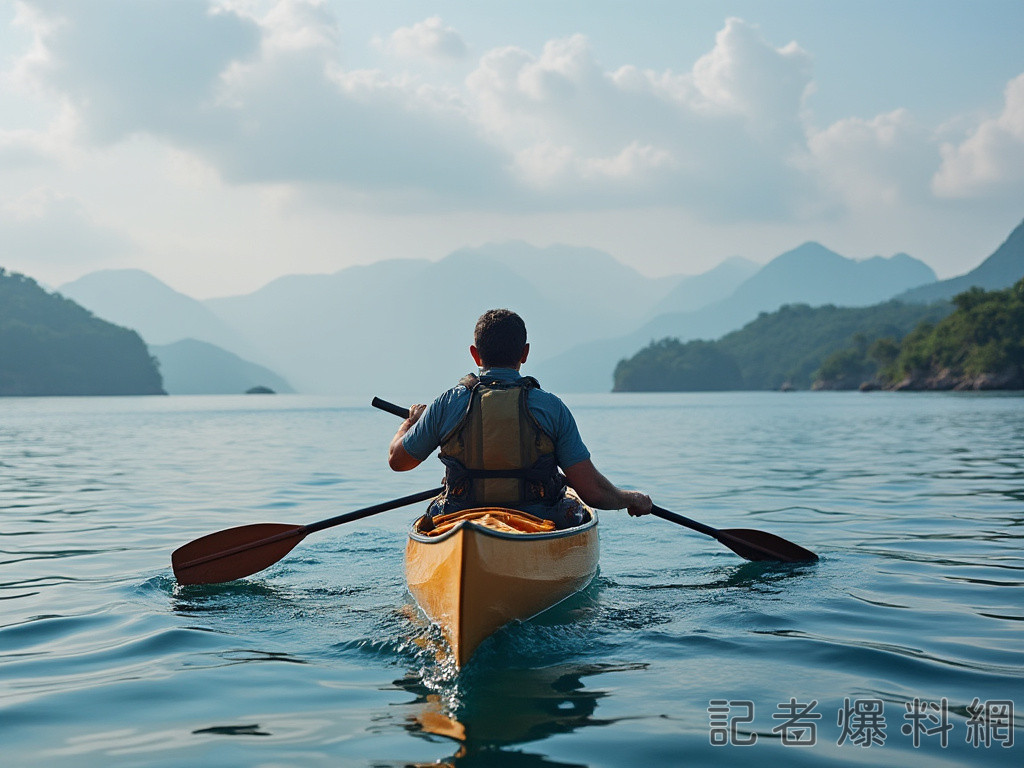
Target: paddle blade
760 546
234 553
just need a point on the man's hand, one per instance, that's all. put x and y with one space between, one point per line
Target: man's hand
400 459
639 503
598 491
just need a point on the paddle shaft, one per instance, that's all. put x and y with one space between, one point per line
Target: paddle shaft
686 522
376 509
384 405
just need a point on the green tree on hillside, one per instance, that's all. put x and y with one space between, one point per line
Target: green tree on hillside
677 367
779 348
50 345
984 336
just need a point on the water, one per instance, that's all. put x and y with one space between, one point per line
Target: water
915 503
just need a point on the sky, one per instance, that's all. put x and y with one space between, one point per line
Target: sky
219 144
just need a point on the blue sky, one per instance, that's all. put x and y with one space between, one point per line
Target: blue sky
221 143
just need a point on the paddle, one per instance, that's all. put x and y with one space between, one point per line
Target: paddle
242 551
745 542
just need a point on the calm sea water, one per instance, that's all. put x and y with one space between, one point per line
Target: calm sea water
909 629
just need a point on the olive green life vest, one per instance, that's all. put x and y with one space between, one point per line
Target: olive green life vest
499 455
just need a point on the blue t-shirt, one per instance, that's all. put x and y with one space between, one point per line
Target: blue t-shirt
445 413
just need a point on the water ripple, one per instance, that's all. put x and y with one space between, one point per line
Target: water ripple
915 506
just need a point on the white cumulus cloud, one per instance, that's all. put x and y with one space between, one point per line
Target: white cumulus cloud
259 93
427 39
886 160
258 96
714 136
990 161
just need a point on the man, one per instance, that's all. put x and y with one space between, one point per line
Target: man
503 438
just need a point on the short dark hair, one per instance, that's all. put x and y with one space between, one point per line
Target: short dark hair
500 338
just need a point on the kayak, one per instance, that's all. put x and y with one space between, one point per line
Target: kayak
475 571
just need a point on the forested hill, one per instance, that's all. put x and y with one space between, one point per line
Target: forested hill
778 349
50 345
979 346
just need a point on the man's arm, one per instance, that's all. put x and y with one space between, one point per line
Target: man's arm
598 491
400 459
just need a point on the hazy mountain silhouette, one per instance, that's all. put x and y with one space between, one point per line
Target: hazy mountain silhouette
408 324
404 326
814 275
697 291
191 367
135 299
810 274
1000 270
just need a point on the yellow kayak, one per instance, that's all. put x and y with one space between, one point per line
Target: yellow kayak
475 571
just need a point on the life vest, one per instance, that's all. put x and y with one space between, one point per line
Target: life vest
498 455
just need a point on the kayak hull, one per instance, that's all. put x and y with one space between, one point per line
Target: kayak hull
473 580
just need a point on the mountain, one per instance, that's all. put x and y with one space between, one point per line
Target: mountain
814 275
49 345
780 348
192 367
405 326
590 272
810 274
980 345
135 299
697 291
1000 270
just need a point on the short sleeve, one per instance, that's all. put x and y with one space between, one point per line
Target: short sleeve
557 420
440 418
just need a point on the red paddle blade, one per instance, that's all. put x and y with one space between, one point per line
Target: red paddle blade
234 553
760 545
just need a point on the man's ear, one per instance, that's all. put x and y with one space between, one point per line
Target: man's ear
476 355
526 353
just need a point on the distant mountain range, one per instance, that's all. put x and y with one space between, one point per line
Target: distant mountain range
403 327
161 315
810 274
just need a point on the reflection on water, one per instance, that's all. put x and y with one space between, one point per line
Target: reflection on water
234 730
765 577
501 708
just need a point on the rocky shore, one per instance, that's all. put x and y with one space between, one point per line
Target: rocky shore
944 380
947 380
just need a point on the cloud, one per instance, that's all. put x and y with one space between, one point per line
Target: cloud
746 75
21 148
714 137
43 230
261 98
990 162
128 67
428 39
300 25
260 94
887 160
264 99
